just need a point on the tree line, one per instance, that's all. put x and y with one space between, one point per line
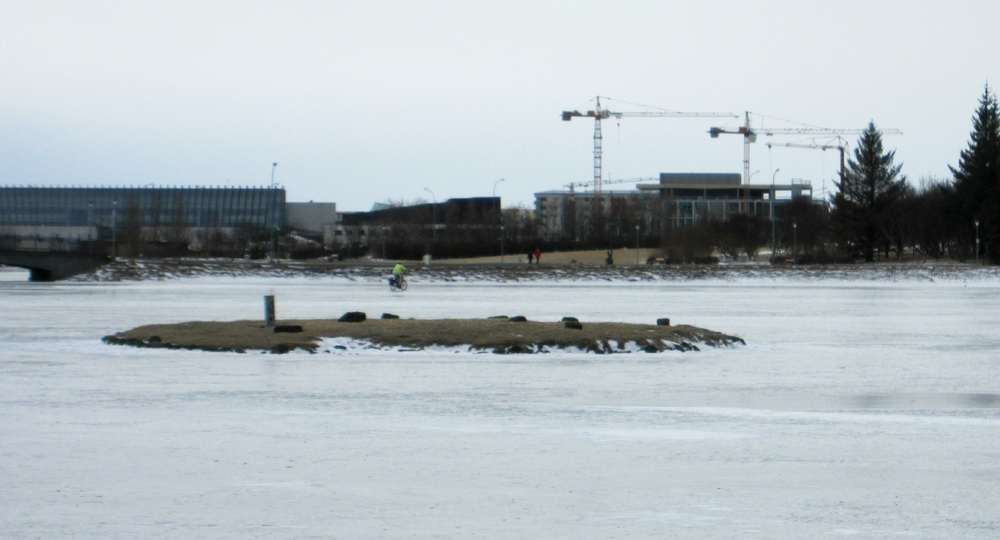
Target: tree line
876 213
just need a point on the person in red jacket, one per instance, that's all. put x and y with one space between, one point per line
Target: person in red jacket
538 256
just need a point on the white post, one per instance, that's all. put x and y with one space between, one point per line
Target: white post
269 310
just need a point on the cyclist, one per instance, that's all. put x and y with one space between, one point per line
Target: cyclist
397 273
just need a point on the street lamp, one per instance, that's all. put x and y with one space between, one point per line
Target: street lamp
795 229
499 217
501 245
383 243
90 221
637 245
771 197
433 214
114 229
977 241
274 226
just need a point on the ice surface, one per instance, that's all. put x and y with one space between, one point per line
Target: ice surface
866 409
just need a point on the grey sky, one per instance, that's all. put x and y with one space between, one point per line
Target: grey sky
365 101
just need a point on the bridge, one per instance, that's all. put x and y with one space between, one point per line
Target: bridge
53 265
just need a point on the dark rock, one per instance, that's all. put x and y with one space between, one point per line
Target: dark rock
663 322
154 339
281 348
512 349
570 319
287 329
518 318
573 324
389 316
340 347
353 316
498 317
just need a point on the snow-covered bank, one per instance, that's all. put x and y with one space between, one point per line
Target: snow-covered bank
355 347
170 269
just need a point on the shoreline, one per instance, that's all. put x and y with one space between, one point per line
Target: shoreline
374 270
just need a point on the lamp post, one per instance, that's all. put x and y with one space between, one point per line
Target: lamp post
90 221
114 229
500 218
501 245
433 214
771 197
637 245
273 226
795 230
977 241
383 242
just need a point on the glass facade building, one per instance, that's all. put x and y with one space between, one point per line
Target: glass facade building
142 207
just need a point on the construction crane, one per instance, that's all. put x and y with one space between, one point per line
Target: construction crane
574 185
599 114
839 143
750 135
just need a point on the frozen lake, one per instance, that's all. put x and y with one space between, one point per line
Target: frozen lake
855 409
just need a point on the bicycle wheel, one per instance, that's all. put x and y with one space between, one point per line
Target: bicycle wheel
402 284
392 285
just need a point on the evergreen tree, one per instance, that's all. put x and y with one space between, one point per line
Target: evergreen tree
870 186
977 178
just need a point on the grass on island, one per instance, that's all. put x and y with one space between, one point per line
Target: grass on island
497 335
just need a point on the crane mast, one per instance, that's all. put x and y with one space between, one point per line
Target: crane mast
598 150
599 114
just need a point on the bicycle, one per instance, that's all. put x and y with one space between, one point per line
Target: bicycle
397 285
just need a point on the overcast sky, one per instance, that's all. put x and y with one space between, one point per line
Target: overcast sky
360 102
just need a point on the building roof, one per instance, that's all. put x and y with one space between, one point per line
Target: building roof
710 187
590 193
700 178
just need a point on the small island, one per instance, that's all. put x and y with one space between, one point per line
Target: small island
500 335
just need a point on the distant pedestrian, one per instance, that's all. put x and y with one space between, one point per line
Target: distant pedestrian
538 256
530 256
